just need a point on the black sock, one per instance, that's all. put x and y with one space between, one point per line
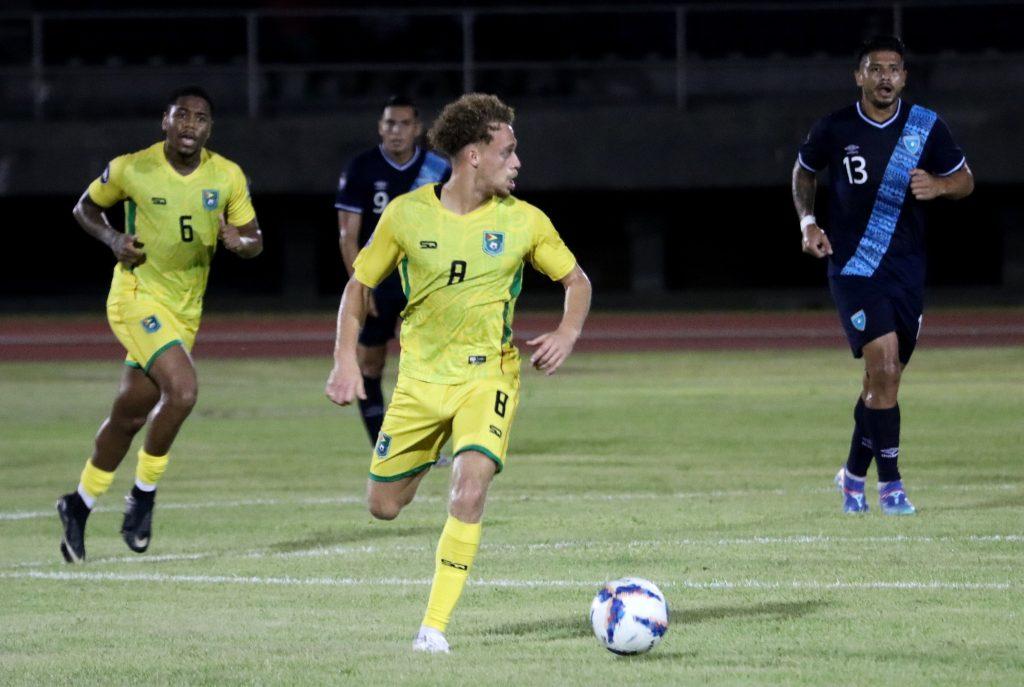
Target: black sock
78 506
372 409
859 461
140 495
883 426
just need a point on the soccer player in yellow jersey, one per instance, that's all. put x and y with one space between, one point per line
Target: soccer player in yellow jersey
460 249
180 198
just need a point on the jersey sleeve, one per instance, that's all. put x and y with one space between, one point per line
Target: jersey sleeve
379 257
941 155
549 254
240 210
350 191
813 154
108 188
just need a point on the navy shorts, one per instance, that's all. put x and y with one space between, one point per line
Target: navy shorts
390 300
869 308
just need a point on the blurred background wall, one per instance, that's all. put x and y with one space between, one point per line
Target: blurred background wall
660 138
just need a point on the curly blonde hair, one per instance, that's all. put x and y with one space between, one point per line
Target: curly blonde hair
470 119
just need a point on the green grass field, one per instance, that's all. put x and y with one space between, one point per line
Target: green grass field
709 473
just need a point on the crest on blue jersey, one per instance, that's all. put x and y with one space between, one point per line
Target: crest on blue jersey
494 242
912 142
859 320
151 324
383 445
210 198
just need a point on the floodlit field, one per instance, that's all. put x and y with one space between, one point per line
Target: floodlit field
709 473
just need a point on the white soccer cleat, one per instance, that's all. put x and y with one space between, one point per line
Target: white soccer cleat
430 641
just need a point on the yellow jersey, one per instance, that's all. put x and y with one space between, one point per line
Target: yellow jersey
176 217
461 275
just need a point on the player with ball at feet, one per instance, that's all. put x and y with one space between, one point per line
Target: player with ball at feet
460 249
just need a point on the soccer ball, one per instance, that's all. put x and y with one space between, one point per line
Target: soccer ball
629 616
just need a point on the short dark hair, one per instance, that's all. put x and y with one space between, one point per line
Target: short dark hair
184 91
877 43
468 120
401 101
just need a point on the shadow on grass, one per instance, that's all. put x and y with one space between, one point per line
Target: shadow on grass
339 537
559 627
787 611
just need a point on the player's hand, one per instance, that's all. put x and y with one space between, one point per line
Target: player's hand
230 236
815 242
371 306
552 349
128 250
345 384
926 186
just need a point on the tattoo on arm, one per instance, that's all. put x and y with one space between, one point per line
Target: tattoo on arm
804 187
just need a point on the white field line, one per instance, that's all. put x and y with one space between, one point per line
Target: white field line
680 333
926 585
626 496
572 544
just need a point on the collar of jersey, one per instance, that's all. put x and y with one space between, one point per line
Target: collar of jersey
472 213
204 155
881 125
400 168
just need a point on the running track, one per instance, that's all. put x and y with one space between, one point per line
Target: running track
231 336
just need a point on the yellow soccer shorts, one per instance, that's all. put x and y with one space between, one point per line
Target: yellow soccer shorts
146 329
477 415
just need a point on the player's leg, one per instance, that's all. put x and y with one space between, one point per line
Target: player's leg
173 372
371 361
480 435
882 419
135 399
851 477
412 433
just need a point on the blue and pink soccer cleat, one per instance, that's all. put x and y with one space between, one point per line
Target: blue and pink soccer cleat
853 492
893 499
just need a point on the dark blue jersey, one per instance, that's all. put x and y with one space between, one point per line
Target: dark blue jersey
372 179
875 225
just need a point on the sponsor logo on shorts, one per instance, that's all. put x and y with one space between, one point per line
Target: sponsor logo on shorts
453 564
495 431
380 185
210 198
859 320
477 359
428 244
158 201
151 324
383 445
494 242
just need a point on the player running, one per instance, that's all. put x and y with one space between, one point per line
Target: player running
885 158
460 249
369 183
179 198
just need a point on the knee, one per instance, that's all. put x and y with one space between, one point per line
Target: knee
182 396
383 509
467 500
128 424
885 374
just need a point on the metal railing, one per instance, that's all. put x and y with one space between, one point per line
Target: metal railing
34 83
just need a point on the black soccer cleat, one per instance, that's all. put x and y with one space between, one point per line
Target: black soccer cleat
137 527
73 513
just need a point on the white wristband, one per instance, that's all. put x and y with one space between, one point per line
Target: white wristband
807 220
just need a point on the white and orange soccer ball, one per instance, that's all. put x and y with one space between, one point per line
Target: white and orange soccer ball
629 616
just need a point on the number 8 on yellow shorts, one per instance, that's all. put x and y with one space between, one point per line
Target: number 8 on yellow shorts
477 415
146 329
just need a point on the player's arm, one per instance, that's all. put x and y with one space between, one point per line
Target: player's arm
554 347
955 186
349 224
92 218
345 382
805 185
245 241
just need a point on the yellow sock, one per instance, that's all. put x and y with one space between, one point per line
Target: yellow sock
455 552
94 482
149 469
